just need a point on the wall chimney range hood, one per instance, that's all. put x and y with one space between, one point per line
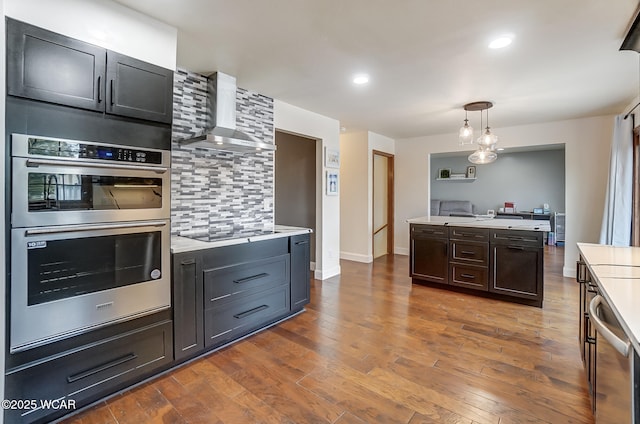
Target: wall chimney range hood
221 132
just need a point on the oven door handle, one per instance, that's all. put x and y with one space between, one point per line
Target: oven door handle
34 163
91 227
618 344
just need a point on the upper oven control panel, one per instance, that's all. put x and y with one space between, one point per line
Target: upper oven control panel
84 150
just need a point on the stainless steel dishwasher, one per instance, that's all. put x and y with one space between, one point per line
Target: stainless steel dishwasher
615 383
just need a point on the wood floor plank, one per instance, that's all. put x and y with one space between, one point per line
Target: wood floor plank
157 407
372 347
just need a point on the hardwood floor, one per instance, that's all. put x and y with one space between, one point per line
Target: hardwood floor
373 348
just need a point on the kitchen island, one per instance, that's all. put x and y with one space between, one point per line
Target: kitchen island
500 258
226 286
609 329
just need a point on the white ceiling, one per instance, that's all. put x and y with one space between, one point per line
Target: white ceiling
426 58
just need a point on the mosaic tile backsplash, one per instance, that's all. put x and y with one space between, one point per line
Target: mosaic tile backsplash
215 192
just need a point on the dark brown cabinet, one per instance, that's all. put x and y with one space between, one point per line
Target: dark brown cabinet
84 374
43 65
469 258
506 264
517 264
247 292
429 253
300 271
46 66
187 305
223 293
138 89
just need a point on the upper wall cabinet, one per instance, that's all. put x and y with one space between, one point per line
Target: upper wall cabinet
43 65
138 89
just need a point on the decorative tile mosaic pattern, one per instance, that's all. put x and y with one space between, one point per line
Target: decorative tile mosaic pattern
215 192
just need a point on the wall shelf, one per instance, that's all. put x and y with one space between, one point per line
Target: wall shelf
465 179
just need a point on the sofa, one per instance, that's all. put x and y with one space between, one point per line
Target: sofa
452 207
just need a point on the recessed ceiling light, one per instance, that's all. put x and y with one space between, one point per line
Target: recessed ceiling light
500 42
360 79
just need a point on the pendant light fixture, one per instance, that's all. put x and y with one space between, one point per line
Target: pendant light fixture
465 136
486 152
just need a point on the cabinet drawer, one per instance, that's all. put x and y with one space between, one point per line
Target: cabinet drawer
470 234
475 277
82 375
229 320
517 238
431 231
227 283
470 252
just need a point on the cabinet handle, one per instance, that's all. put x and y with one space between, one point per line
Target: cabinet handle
515 247
100 89
622 346
118 361
301 242
468 276
111 92
250 312
253 277
467 252
188 262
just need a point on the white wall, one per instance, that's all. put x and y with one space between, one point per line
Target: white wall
587 147
354 169
295 120
103 23
356 213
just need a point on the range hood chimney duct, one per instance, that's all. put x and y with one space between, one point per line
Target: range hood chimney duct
221 132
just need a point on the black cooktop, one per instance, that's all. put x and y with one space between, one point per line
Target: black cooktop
230 236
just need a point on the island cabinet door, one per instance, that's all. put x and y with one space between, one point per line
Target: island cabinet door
429 253
517 270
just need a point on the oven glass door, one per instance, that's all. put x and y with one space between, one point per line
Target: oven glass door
59 269
76 192
69 279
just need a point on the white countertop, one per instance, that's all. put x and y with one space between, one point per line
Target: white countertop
482 221
184 244
616 271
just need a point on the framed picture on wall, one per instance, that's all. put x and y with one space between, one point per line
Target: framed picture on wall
471 171
444 173
332 183
331 158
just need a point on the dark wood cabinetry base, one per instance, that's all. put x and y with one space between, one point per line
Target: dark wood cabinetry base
497 263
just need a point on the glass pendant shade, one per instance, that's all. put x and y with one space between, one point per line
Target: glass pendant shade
483 156
466 134
488 139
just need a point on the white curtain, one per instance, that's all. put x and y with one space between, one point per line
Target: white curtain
616 220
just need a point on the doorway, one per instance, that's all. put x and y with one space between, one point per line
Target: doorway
383 199
295 183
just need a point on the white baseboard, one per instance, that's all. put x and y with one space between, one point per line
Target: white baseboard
568 271
328 273
356 257
401 251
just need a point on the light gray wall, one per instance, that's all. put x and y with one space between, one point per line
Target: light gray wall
527 178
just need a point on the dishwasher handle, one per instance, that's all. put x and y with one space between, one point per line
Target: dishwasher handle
622 346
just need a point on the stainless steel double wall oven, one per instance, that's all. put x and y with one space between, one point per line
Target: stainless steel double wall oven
90 234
